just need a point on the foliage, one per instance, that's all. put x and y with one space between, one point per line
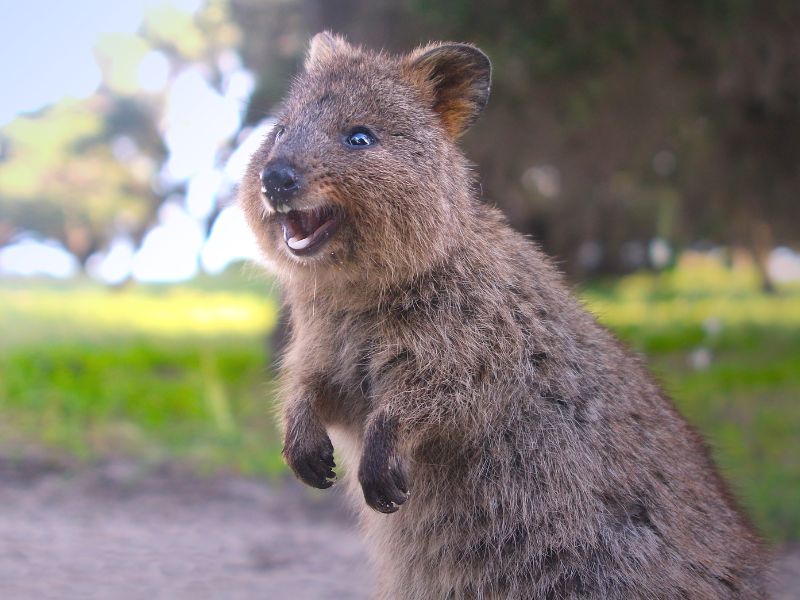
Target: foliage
85 171
745 399
610 123
674 120
61 179
148 371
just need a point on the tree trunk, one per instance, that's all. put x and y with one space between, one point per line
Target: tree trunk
760 246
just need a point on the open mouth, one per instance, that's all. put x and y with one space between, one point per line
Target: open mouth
305 231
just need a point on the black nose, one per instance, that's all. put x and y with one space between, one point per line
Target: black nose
280 182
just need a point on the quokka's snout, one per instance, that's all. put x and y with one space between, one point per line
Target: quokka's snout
280 184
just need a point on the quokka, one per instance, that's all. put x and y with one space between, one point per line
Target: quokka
510 447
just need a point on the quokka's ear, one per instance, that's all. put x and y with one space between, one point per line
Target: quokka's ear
323 47
457 78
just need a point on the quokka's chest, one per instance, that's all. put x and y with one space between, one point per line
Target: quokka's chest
347 347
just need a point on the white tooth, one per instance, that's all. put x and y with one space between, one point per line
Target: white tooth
282 208
263 190
298 244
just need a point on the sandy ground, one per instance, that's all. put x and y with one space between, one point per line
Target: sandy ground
118 531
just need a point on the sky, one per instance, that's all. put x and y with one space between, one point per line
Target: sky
47 47
48 55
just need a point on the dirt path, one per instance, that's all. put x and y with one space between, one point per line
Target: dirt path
118 532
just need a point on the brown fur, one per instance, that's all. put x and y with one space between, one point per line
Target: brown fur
445 357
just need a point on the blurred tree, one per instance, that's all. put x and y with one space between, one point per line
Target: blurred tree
754 111
614 127
60 176
611 123
86 171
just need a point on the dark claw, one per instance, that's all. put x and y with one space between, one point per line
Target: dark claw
313 463
377 501
381 473
385 488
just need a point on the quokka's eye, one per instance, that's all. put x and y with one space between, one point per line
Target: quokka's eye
360 137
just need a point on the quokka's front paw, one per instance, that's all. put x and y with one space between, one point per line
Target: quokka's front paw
384 482
311 459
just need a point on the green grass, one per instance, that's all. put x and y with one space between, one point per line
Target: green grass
163 372
149 371
746 402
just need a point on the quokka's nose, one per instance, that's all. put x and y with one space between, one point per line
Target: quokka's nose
280 183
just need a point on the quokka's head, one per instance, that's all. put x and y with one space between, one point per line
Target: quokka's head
361 175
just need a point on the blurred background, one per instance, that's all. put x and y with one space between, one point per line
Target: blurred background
652 148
